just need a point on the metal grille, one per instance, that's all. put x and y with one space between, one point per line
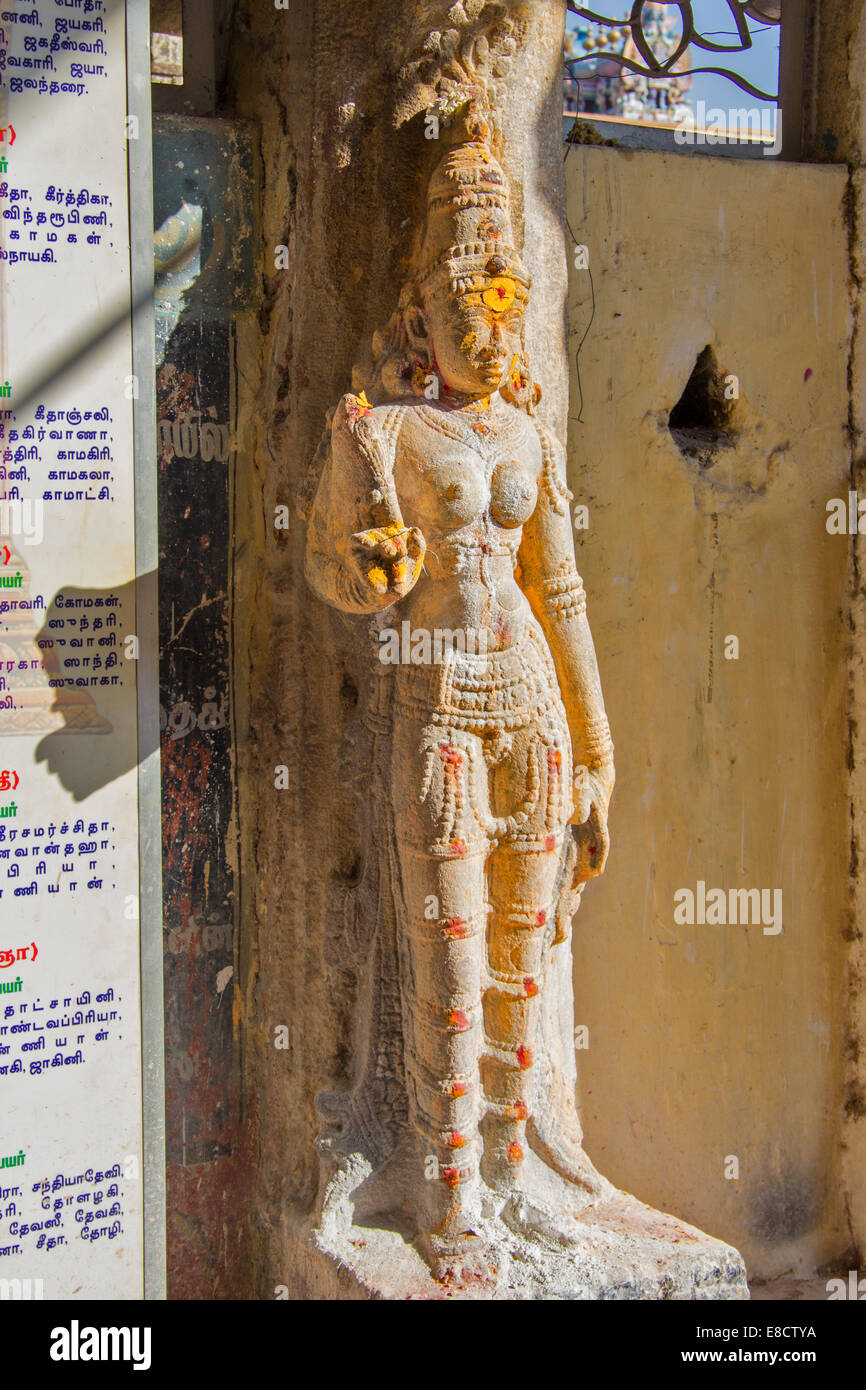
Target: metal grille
647 64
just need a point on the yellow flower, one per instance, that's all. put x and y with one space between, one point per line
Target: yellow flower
358 406
500 293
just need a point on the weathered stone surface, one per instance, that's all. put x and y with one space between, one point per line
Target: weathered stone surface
834 130
619 1249
443 502
437 1046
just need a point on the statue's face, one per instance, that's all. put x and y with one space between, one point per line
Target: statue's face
475 336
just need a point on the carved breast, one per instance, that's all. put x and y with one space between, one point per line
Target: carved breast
451 474
457 491
513 495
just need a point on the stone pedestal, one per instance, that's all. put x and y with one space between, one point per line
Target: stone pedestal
617 1248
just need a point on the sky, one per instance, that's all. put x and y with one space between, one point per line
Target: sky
713 19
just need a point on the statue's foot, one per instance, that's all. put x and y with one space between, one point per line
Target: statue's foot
461 1261
544 1206
451 1226
566 1156
532 1201
547 1161
538 1222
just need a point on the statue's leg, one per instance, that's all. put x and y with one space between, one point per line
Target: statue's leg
442 922
521 882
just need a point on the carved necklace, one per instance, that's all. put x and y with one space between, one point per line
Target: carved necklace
465 426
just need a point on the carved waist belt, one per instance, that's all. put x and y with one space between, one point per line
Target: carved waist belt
509 689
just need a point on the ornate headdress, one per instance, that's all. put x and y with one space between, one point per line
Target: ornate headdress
467 247
468 236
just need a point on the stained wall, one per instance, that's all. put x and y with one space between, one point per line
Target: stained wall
716 1042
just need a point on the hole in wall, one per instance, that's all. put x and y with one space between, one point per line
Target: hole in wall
703 421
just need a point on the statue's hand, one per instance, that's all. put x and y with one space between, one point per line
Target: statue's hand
388 559
592 793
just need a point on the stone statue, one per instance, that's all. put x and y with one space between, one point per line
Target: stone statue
444 507
482 767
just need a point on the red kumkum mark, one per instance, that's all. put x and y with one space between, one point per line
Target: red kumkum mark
541 917
515 1153
457 1020
451 756
450 1176
458 847
456 927
454 1139
524 1058
530 988
456 1089
518 1111
554 760
550 842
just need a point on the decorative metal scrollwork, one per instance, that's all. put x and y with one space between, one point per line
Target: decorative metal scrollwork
647 63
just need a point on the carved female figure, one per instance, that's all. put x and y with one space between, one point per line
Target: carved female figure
445 503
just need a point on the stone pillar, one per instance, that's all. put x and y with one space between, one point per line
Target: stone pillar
339 183
835 132
339 90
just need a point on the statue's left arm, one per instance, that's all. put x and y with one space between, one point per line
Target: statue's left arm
549 578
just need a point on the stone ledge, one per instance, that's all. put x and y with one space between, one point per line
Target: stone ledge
617 1250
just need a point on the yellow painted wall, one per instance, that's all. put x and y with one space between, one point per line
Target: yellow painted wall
708 1041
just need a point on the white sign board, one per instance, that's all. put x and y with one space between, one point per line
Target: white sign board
71 1133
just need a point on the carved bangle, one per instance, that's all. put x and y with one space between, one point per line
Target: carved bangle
565 597
597 744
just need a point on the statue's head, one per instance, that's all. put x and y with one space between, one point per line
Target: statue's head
461 317
473 289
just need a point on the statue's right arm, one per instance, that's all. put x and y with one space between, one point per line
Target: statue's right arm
360 557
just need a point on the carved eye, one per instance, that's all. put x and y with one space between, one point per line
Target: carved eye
500 294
